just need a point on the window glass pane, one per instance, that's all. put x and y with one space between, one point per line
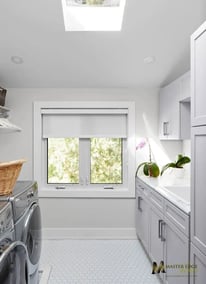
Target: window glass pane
106 160
63 160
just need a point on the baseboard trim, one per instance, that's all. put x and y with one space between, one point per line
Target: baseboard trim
89 233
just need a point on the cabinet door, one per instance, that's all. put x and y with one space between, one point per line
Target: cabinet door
185 90
197 266
169 112
198 188
185 124
198 71
142 218
177 217
155 240
176 255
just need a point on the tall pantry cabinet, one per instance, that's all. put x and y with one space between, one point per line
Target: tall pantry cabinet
198 136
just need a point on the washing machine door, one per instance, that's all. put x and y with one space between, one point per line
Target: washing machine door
13 263
32 234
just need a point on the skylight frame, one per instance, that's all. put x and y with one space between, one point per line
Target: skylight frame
93 18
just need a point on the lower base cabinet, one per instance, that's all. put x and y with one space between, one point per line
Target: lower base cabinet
142 220
176 255
170 247
155 242
197 266
167 242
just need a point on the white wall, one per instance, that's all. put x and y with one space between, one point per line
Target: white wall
186 150
79 213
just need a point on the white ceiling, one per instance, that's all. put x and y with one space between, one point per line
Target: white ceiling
34 30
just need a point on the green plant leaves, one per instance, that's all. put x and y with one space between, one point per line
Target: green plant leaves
140 165
181 161
169 165
150 169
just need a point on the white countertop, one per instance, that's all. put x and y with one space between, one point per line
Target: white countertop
178 193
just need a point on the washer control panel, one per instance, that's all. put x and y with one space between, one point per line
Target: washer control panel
25 194
6 217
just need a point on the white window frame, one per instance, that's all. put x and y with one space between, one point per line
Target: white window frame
39 156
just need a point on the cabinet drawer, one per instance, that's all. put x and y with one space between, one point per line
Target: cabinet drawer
140 184
177 217
144 193
143 189
157 200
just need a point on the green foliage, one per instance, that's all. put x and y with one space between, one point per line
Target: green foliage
94 2
106 160
63 160
179 163
149 169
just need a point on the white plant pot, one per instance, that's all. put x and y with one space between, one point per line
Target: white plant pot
178 172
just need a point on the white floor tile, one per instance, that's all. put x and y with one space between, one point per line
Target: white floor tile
96 262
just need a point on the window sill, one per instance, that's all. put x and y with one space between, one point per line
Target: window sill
71 193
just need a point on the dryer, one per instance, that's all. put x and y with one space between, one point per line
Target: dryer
13 254
27 222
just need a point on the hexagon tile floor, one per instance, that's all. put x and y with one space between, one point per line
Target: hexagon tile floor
95 262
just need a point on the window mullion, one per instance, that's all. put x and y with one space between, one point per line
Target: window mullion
84 161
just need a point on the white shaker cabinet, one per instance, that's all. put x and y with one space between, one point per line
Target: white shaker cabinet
198 166
169 112
174 109
185 87
156 251
164 232
197 266
142 215
198 196
176 252
198 81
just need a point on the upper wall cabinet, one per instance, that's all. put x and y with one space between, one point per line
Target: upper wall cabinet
185 89
174 112
169 112
198 83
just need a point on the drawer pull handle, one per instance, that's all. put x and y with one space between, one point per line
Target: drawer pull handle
165 128
162 237
159 228
138 205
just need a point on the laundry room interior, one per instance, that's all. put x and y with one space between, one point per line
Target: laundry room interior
102 142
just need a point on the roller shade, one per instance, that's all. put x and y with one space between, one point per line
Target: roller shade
84 123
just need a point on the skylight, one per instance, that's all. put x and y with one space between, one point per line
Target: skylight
93 15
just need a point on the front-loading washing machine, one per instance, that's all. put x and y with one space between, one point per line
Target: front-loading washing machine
13 254
27 222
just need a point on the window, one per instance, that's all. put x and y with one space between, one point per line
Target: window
63 160
105 161
84 149
90 15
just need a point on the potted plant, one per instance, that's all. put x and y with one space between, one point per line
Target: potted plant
178 164
150 168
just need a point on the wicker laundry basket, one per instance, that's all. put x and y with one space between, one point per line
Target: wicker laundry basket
9 172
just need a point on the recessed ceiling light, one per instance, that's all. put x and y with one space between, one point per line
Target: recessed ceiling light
16 59
149 59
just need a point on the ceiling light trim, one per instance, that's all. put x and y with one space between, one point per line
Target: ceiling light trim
17 59
149 60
